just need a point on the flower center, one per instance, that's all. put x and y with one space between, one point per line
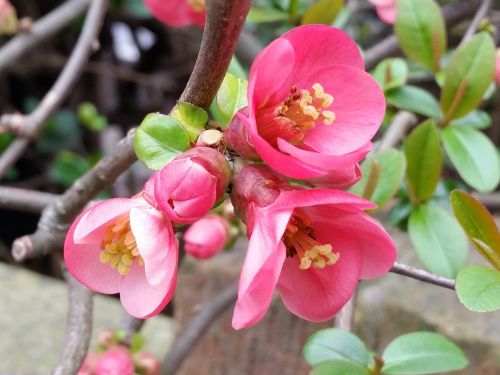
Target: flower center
300 240
119 249
297 115
197 5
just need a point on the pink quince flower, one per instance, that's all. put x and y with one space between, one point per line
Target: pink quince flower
386 10
312 108
188 187
125 246
312 245
178 13
206 237
116 361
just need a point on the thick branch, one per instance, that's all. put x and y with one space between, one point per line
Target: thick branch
56 218
78 330
25 200
41 30
196 328
453 14
418 274
31 125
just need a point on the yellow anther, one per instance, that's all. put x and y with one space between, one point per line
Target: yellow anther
328 117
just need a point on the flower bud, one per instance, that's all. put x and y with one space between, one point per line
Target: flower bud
206 237
116 361
188 187
237 137
147 364
8 18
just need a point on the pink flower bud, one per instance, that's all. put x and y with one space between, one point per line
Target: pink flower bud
178 13
206 237
8 18
89 364
147 363
116 361
237 137
188 187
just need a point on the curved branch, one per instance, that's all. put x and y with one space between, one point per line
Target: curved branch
418 274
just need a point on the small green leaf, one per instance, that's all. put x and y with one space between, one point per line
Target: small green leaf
468 76
421 31
422 353
159 139
424 160
192 118
336 344
322 12
478 288
438 239
137 342
392 166
478 224
260 14
338 368
475 119
231 97
414 99
474 156
391 73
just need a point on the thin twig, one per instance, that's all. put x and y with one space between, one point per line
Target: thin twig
41 30
345 318
29 126
401 123
418 274
196 327
225 19
480 14
25 200
78 329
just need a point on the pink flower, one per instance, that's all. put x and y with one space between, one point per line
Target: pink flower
147 363
312 107
116 361
386 10
188 187
178 13
312 245
497 67
125 246
89 364
206 237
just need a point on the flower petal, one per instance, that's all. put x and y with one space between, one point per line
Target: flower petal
83 262
156 242
341 179
265 256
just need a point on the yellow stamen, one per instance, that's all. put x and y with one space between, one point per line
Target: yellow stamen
300 240
119 249
197 5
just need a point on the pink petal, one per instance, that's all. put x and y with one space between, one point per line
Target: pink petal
95 220
83 262
265 256
156 242
206 237
359 107
383 3
387 14
341 179
318 294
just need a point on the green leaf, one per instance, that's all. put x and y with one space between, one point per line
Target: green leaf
137 342
391 73
478 225
438 239
338 368
336 344
159 139
475 119
478 288
236 69
422 353
192 118
421 31
231 97
392 165
468 76
322 12
474 156
414 99
68 167
260 14
424 160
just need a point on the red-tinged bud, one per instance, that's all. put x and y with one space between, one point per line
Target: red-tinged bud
116 361
189 186
237 137
256 184
147 364
206 237
8 18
